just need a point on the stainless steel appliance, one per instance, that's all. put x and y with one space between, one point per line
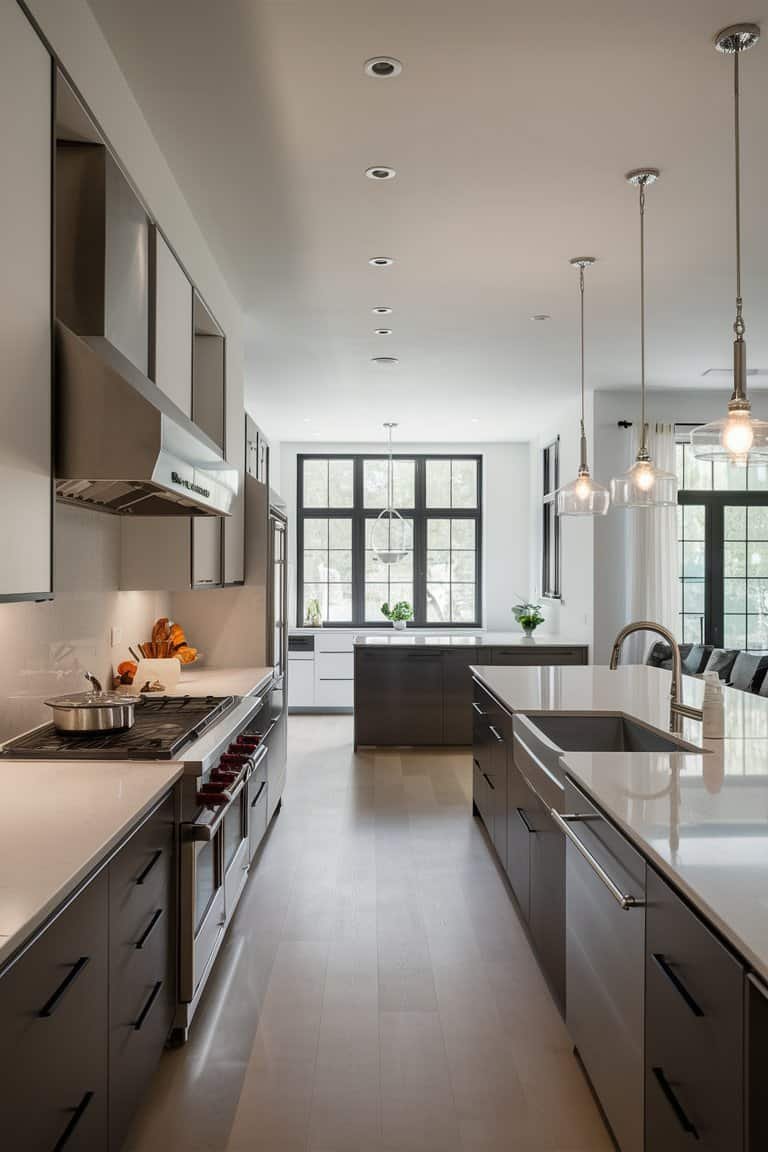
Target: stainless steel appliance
224 743
96 711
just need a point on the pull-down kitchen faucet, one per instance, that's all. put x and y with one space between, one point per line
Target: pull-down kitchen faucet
677 710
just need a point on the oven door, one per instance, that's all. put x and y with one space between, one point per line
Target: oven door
202 911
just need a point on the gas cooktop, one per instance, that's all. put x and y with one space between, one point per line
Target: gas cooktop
163 727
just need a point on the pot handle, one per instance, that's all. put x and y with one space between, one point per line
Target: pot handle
94 681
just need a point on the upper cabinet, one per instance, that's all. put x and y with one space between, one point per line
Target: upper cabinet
208 368
171 345
26 129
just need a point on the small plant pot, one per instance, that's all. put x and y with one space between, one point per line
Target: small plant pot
400 625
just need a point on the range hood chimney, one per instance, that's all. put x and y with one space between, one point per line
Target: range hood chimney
122 445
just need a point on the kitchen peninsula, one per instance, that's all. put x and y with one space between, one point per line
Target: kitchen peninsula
641 873
415 688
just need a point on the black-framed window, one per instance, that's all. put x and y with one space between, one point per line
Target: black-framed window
550 521
440 499
722 522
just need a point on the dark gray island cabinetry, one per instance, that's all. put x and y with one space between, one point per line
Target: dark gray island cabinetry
416 689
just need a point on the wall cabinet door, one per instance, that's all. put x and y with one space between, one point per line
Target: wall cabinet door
26 525
172 327
206 552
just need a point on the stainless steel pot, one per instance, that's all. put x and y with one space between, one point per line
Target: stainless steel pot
96 711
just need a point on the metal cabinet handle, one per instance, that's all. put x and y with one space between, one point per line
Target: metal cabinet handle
77 1115
148 1006
143 875
624 900
496 734
490 782
52 1004
477 708
255 800
676 982
149 929
669 1095
524 819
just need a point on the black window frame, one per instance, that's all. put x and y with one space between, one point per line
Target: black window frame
419 514
550 521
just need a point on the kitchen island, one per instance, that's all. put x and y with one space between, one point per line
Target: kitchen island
642 876
415 688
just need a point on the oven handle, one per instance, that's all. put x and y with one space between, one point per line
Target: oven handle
205 832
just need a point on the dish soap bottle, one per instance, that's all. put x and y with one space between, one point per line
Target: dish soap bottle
713 707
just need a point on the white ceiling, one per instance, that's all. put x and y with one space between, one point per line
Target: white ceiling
511 128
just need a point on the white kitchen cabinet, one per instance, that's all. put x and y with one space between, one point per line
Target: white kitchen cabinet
26 129
301 682
172 327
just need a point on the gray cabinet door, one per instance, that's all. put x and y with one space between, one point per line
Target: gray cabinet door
172 326
398 697
457 695
757 1065
497 778
206 552
520 799
546 916
26 526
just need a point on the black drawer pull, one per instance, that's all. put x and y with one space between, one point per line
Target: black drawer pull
524 819
143 875
490 782
675 1104
255 800
148 1006
51 1005
677 983
477 708
77 1115
496 734
149 929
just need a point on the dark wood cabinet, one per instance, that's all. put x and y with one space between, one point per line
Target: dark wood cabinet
497 777
53 1030
757 1065
142 962
539 656
694 1038
457 695
546 916
519 797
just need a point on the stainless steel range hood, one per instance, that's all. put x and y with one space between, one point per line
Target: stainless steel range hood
123 446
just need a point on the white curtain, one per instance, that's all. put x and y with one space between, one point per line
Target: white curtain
653 587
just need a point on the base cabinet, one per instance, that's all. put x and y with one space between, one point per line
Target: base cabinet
546 918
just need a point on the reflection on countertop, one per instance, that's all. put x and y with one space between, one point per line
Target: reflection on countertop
411 639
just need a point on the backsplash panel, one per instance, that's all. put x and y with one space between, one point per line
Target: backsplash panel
46 647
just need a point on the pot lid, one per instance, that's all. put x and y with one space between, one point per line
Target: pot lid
92 700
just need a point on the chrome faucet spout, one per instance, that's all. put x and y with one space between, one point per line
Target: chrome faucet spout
677 710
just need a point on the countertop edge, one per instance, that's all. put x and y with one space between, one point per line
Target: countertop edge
12 944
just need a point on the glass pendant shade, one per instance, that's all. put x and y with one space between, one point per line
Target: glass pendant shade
738 438
643 485
390 537
583 497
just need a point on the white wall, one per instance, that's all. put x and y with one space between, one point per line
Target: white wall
505 516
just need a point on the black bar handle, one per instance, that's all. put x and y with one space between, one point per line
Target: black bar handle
524 819
496 734
490 782
255 800
51 1005
77 1115
149 929
674 1103
143 875
148 1006
677 983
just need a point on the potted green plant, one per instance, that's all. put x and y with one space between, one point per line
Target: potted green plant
528 615
399 614
314 617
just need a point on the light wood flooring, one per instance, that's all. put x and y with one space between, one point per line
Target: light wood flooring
376 992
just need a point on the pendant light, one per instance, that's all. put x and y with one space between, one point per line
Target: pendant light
643 485
738 438
390 535
583 496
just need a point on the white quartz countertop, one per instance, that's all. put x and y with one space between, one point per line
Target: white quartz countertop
410 639
221 681
701 819
56 830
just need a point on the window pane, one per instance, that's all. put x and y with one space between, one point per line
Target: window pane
693 595
339 533
438 603
758 523
315 533
735 522
462 603
438 533
462 567
315 565
734 559
692 629
735 632
438 565
438 484
757 596
340 483
339 566
375 596
693 560
462 534
340 602
375 480
758 559
757 631
315 483
464 483
328 571
735 595
315 592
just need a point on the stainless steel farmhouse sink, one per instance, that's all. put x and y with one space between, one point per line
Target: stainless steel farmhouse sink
541 739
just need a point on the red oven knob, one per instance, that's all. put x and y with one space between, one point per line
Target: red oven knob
213 786
212 799
248 740
219 775
234 759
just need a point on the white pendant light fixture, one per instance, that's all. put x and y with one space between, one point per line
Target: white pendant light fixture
390 539
738 438
643 485
583 496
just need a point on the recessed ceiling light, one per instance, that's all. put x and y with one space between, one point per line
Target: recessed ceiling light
541 316
382 67
381 261
382 310
475 420
380 172
315 433
382 331
384 361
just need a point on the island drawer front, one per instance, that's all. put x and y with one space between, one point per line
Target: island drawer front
141 876
55 1065
538 657
694 1029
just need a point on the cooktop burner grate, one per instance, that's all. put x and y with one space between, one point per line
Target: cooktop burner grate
163 727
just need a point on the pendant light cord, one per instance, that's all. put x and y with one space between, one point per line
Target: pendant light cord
642 315
738 327
581 346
